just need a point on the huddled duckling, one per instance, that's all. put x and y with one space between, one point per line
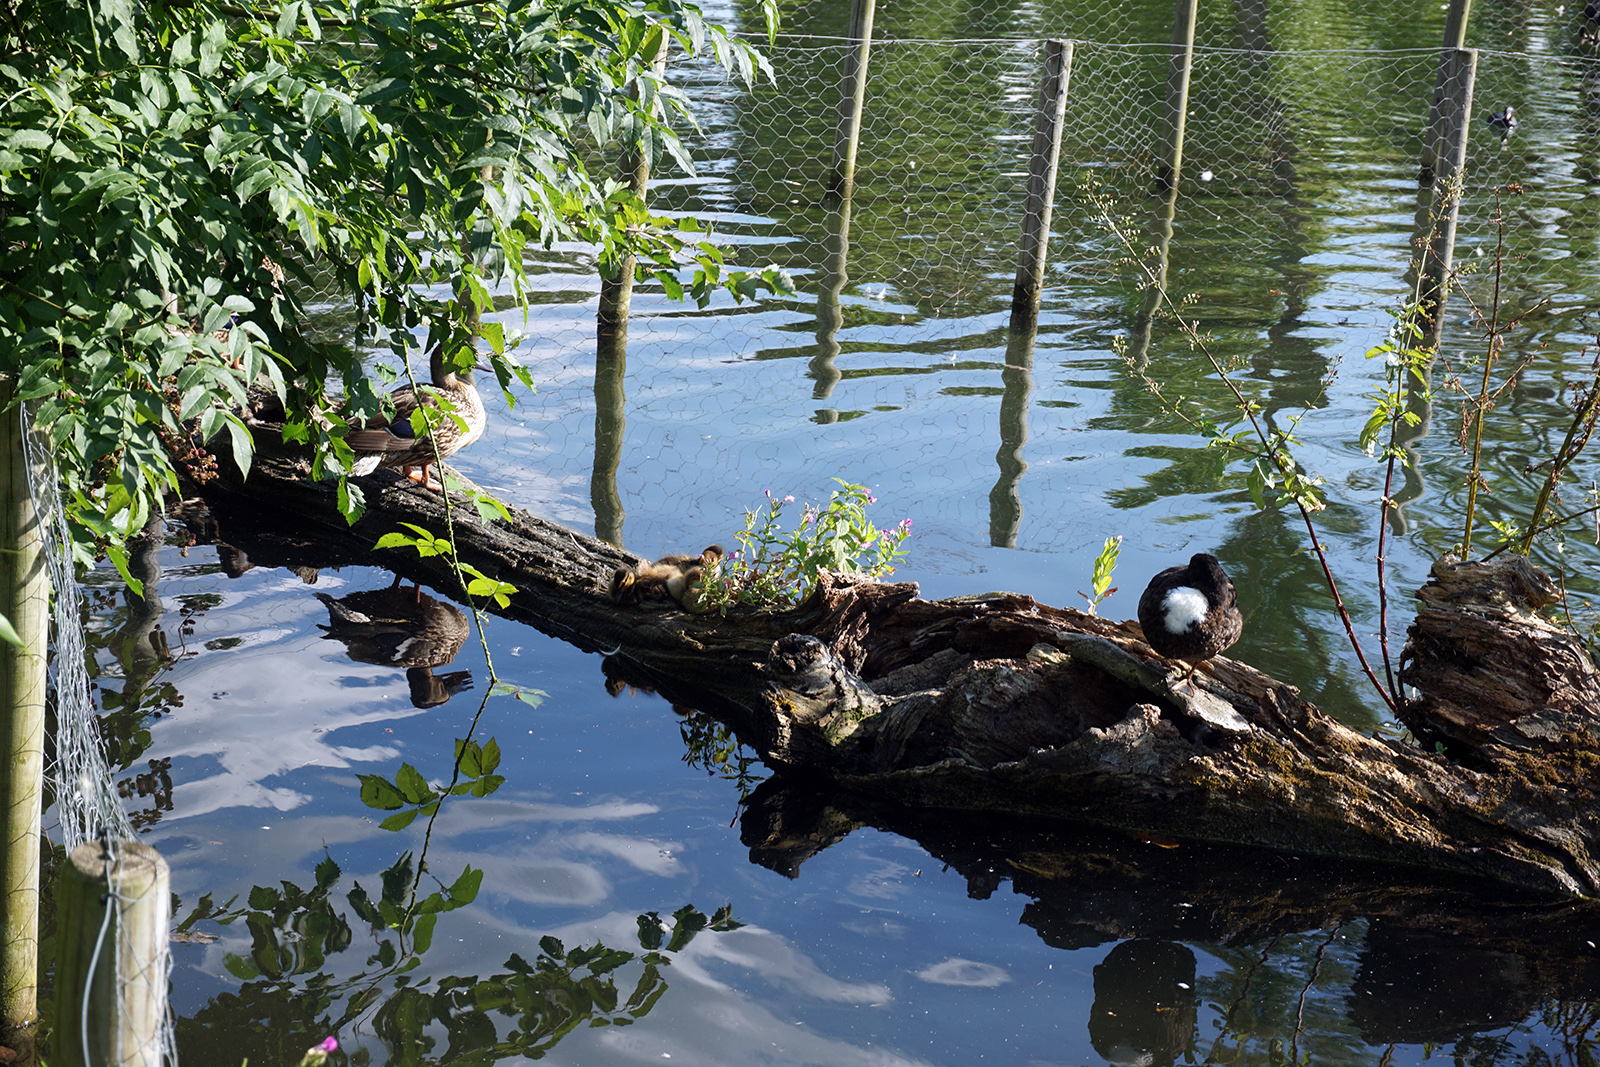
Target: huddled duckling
668 578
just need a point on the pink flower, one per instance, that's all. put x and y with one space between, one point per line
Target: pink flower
788 500
329 1044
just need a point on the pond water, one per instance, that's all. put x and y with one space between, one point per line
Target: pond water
238 729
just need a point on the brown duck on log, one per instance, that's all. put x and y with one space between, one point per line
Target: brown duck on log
998 703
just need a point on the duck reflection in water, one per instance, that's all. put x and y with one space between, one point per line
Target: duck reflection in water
1144 1003
396 627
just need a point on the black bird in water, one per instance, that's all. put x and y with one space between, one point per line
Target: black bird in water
1191 613
1505 119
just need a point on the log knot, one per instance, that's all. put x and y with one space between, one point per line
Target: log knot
803 664
1508 584
820 689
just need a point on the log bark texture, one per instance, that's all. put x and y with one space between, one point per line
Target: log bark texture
997 703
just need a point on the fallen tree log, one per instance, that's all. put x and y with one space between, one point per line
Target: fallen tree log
997 703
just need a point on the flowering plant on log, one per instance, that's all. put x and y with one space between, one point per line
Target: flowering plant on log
774 568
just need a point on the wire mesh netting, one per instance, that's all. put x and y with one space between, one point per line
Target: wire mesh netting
1299 175
88 803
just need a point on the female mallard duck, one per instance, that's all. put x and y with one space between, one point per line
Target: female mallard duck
385 442
396 627
1191 613
670 577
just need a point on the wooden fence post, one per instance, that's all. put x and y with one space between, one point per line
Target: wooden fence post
1041 185
25 602
1461 65
852 99
114 902
1169 162
610 422
1434 137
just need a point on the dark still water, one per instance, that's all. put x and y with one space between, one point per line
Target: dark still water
240 729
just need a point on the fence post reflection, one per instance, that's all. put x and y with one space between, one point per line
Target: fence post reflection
1005 501
1154 281
830 316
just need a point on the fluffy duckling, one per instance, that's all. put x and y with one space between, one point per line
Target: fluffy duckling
668 578
1191 613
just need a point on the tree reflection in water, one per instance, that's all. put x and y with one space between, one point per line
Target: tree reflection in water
291 998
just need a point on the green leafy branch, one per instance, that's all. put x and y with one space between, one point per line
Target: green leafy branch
398 909
474 582
410 790
169 176
1273 466
1104 564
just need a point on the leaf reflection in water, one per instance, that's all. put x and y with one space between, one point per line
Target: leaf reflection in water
289 993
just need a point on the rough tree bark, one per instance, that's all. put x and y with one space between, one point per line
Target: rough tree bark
997 703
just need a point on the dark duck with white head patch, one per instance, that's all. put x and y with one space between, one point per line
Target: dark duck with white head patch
393 443
1191 613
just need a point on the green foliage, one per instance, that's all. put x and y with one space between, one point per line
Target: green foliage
426 544
8 633
1407 359
1275 477
520 1013
1104 564
411 792
395 909
292 930
543 1000
531 697
775 568
714 747
162 164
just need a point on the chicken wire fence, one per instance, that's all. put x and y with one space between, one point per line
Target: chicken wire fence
940 178
88 797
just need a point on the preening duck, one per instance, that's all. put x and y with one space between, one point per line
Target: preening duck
393 442
1191 613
